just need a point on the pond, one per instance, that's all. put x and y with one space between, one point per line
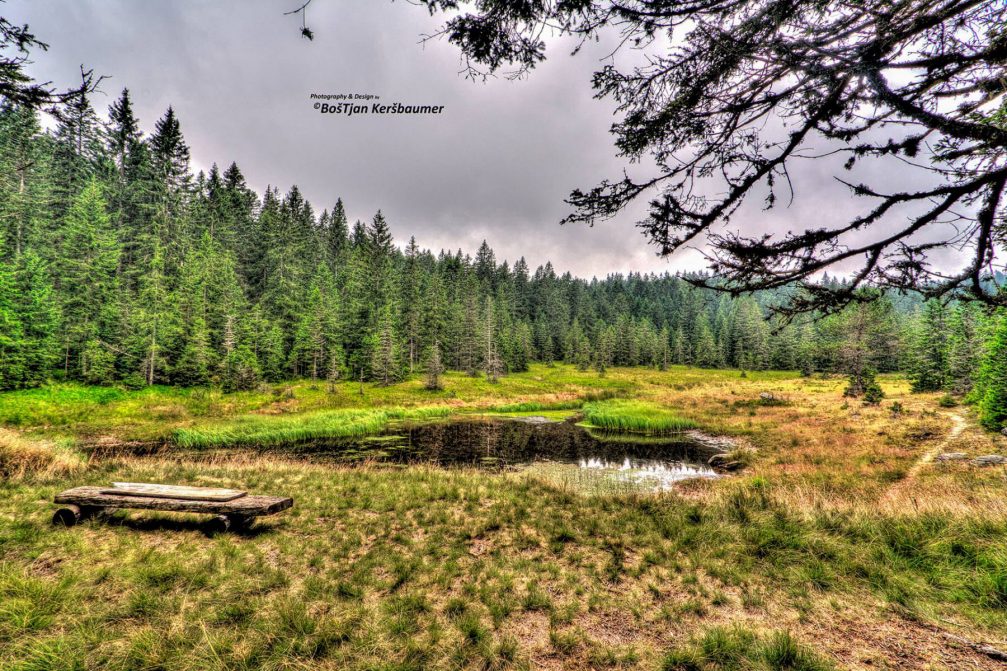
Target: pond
561 451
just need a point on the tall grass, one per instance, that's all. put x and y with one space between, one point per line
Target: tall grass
22 457
533 406
736 648
268 430
635 416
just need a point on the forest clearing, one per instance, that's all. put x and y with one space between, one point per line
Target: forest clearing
846 541
602 334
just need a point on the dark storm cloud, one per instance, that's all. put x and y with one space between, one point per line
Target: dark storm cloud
496 164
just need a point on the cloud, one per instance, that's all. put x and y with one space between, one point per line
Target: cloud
495 165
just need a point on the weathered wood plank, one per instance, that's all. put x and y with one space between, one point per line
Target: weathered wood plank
159 491
250 506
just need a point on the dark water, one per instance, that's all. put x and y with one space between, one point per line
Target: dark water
654 463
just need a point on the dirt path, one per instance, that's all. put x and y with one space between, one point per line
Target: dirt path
928 457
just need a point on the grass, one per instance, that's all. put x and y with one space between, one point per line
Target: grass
270 430
22 457
829 551
737 649
634 416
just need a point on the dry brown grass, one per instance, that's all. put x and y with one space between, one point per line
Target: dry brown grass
801 541
22 457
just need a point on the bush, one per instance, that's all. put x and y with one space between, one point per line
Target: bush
947 401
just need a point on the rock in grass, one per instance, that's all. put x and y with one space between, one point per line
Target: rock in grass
722 443
536 419
951 456
1003 431
724 462
990 460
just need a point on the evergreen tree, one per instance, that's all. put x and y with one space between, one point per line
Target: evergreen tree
90 291
993 376
434 368
385 361
929 368
965 347
36 310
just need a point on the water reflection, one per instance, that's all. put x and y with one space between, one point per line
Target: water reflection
560 449
648 473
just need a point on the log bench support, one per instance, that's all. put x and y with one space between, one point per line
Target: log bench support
86 502
70 514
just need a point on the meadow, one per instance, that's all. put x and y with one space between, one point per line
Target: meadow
844 543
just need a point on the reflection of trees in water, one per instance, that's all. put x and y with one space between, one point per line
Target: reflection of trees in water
515 442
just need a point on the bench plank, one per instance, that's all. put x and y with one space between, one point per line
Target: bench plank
248 506
173 491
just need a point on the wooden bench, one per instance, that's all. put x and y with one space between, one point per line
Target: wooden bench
232 508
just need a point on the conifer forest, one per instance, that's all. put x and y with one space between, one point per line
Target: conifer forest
121 266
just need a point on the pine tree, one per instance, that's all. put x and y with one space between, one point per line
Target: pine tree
867 337
605 350
434 368
337 233
993 376
705 345
90 291
385 361
492 365
12 363
36 310
411 305
929 367
153 321
965 347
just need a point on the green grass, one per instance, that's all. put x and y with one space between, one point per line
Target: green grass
270 430
737 649
374 568
535 406
635 416
390 567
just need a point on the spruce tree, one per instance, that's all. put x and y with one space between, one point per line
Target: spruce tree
37 311
90 290
385 360
434 368
993 376
929 366
965 347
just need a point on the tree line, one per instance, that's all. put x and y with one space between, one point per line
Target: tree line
119 265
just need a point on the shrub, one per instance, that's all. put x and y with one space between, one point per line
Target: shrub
873 393
947 401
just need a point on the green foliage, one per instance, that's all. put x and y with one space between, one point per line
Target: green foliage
118 265
993 380
929 349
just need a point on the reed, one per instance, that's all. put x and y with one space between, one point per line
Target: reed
634 416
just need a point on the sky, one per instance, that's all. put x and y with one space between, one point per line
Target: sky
495 164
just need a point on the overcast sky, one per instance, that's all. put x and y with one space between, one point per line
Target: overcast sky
496 164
